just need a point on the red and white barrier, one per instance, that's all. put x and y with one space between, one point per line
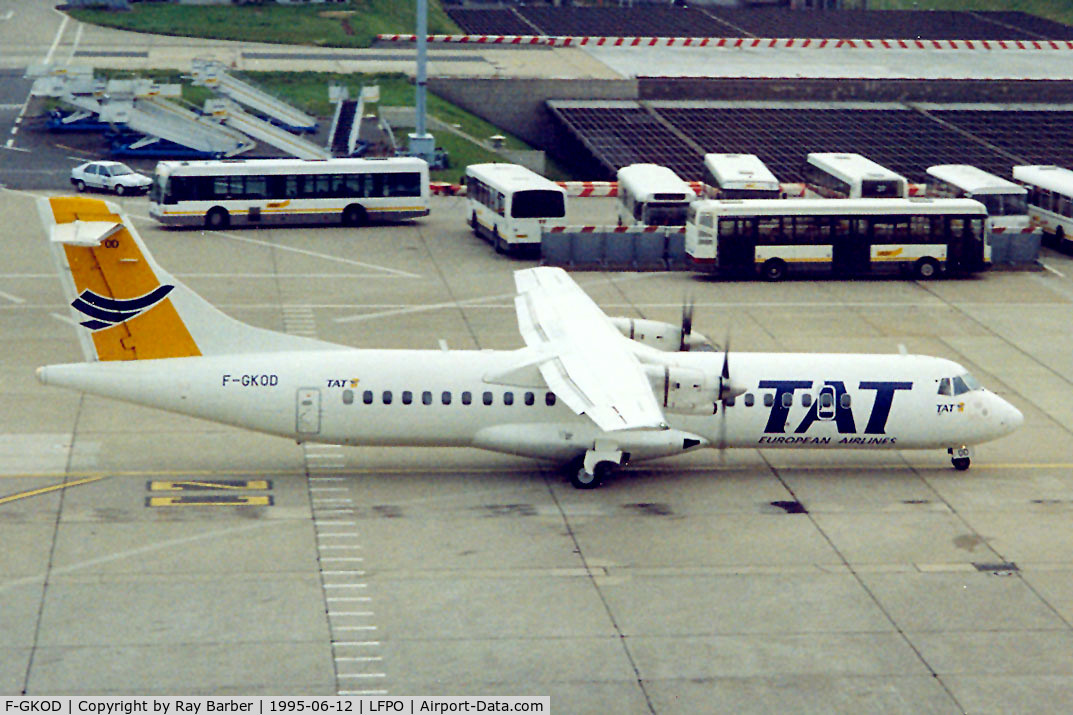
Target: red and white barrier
443 188
601 189
588 189
745 43
639 228
1004 229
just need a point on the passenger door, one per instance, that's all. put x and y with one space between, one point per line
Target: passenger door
308 410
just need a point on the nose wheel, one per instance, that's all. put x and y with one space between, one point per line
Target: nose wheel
960 457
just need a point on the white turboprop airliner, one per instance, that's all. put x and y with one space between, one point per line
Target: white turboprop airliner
589 391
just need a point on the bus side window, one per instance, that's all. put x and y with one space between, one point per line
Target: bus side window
338 185
256 187
290 188
353 185
501 203
1064 208
408 184
769 230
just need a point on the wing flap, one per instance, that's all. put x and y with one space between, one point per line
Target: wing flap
588 365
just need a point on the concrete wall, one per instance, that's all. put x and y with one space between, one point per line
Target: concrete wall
871 90
517 105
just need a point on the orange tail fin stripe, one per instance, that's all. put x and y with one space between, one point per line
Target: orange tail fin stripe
117 270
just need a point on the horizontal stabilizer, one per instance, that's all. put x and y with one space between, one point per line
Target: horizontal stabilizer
84 233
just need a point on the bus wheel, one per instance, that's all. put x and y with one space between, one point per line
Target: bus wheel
217 218
353 215
926 268
774 269
498 242
1060 239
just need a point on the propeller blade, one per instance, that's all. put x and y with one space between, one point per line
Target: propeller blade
726 356
687 324
723 437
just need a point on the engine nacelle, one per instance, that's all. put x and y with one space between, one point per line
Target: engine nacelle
684 390
656 334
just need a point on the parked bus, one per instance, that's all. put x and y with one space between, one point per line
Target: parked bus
652 195
1050 201
740 176
218 194
509 204
1005 201
852 176
924 237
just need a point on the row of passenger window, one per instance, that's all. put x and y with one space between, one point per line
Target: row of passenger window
406 397
826 399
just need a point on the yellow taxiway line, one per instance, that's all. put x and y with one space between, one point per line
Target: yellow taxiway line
46 490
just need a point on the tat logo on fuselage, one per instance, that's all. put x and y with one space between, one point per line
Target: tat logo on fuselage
833 405
106 312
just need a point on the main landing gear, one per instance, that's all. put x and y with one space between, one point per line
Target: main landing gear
591 469
960 457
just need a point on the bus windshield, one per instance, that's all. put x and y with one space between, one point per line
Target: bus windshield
1004 204
538 203
158 189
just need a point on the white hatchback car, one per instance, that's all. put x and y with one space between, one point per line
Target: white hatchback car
110 176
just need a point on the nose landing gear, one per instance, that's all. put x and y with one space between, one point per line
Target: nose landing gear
960 457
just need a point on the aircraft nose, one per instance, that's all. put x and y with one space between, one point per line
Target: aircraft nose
1009 417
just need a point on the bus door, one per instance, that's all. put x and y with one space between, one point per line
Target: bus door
965 250
851 245
736 244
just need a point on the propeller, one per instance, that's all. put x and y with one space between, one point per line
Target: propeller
728 390
687 324
724 384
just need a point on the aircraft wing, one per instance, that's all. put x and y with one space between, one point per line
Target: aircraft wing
587 364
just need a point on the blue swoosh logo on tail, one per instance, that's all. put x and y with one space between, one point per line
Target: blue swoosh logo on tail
105 312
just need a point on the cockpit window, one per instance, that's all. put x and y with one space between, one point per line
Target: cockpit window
959 385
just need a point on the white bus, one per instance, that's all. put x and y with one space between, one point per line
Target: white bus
740 176
288 191
1006 202
1050 201
510 205
852 176
652 195
844 236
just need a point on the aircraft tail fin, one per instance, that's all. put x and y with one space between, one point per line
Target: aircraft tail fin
129 308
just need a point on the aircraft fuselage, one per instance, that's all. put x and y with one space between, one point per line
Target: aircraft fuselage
445 398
